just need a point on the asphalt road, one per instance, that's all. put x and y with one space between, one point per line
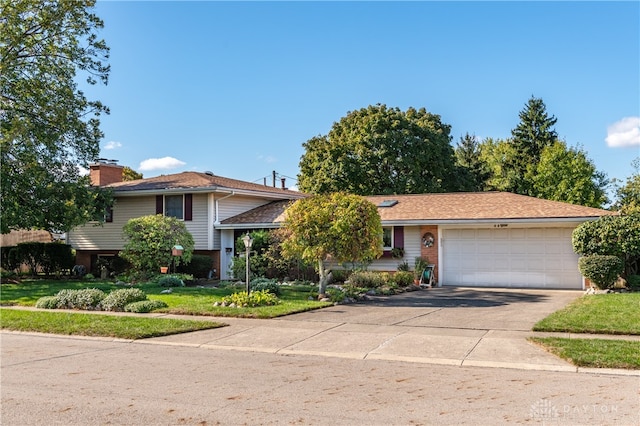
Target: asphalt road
52 380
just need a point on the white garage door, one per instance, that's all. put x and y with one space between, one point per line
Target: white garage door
510 257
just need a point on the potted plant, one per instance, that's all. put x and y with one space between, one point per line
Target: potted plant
397 252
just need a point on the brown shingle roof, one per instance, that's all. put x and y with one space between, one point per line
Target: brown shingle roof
196 180
479 206
268 213
447 207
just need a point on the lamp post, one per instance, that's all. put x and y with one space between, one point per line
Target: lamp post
248 241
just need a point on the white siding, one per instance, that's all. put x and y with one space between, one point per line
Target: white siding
237 204
109 235
389 264
198 226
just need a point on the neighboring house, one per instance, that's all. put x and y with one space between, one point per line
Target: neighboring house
201 200
484 239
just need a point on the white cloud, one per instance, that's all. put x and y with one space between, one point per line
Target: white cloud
112 145
160 164
624 133
267 158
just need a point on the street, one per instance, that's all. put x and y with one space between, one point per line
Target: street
75 381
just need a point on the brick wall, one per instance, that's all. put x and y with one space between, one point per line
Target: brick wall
430 253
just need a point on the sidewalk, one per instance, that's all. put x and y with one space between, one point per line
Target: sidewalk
431 345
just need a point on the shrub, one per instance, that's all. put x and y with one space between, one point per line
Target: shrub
89 277
335 295
256 298
339 276
170 281
402 278
266 284
47 302
633 282
118 299
403 266
601 270
366 279
144 306
199 266
86 299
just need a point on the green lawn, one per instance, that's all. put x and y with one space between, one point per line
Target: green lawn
598 353
613 313
72 323
182 300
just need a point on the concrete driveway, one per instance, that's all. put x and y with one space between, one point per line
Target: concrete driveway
449 326
451 307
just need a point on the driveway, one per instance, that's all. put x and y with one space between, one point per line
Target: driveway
451 307
450 326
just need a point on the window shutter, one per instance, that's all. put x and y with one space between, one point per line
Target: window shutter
398 236
188 206
159 204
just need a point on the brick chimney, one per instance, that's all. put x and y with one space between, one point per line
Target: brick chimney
103 172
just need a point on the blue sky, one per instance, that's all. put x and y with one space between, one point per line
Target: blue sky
237 87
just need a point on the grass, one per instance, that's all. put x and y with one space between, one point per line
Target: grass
598 353
71 323
613 313
182 300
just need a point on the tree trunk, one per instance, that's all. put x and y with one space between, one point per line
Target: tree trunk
322 272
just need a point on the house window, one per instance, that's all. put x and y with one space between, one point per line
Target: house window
174 206
387 237
108 214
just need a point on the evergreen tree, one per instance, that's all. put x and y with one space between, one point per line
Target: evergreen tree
534 133
474 170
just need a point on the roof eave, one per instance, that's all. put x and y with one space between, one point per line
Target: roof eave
416 222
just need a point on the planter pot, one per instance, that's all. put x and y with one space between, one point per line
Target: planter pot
164 269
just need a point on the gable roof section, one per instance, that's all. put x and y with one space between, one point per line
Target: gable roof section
446 208
263 216
198 182
474 206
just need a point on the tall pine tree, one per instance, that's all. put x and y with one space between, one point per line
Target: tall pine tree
474 171
534 133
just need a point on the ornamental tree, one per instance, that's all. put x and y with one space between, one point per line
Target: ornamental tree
339 227
150 239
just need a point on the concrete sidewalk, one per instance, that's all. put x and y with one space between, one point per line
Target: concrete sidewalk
448 326
431 345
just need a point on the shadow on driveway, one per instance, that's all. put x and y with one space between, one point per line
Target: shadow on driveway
452 297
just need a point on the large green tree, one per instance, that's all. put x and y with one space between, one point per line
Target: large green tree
339 227
496 155
380 150
567 174
474 170
628 195
533 133
47 125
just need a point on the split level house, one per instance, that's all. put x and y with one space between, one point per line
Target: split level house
483 239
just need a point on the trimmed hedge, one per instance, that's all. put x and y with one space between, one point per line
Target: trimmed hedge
144 306
602 270
118 299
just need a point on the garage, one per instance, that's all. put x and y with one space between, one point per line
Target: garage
504 256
